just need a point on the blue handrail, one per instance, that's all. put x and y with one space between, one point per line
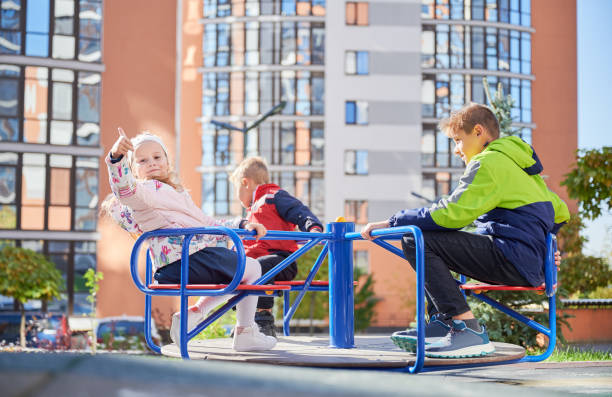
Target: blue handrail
397 233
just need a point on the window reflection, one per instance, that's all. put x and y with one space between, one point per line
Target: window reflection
35 104
89 97
10 26
90 23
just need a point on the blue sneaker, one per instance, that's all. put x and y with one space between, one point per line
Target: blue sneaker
461 341
437 328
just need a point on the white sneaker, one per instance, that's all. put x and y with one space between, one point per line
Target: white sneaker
252 339
194 317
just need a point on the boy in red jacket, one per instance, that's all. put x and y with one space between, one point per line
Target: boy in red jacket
269 205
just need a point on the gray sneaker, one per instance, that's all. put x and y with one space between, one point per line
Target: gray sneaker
436 329
461 341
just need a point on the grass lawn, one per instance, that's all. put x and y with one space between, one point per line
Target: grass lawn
572 353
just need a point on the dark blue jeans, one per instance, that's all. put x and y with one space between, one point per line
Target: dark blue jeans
287 274
470 254
211 265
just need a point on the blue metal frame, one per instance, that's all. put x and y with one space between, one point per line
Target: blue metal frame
338 244
183 293
550 282
397 233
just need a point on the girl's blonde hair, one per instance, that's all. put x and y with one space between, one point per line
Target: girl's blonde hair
171 178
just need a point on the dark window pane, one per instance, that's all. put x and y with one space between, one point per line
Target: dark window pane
89 97
317 145
85 219
89 50
7 185
9 14
86 187
351 110
82 263
90 19
8 97
9 129
10 42
318 45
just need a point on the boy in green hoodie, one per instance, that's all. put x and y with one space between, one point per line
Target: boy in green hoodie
502 192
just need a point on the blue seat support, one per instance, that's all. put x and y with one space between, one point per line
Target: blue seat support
550 283
337 243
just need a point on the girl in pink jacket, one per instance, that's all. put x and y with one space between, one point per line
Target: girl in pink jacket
148 196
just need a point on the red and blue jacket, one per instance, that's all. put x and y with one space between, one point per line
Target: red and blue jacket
276 209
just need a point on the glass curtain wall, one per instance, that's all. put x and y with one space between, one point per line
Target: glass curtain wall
463 41
49 133
255 55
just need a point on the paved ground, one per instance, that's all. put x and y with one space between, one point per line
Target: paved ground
67 374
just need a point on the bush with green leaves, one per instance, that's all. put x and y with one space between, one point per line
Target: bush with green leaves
25 275
590 182
580 274
503 328
315 305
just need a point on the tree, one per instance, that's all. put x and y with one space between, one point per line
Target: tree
25 275
502 108
580 274
591 181
92 282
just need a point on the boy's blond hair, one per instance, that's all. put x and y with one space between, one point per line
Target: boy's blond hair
254 168
467 117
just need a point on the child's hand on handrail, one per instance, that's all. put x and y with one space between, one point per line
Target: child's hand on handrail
122 145
365 233
558 260
260 230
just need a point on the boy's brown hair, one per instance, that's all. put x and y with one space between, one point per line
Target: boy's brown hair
254 168
467 117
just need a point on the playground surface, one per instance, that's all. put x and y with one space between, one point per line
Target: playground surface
70 374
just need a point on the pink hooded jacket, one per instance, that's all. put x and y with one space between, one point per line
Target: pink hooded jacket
148 205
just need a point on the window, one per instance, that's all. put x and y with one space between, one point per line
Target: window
8 190
356 211
48 192
9 102
427 147
356 62
361 261
357 13
50 29
356 112
436 185
72 259
356 162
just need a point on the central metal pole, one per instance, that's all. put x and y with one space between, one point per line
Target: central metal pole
341 298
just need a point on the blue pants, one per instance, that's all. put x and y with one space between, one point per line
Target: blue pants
211 265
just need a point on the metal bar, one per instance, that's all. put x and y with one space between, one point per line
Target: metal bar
313 271
512 313
341 299
286 262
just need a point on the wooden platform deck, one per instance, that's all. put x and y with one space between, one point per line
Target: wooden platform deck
308 351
